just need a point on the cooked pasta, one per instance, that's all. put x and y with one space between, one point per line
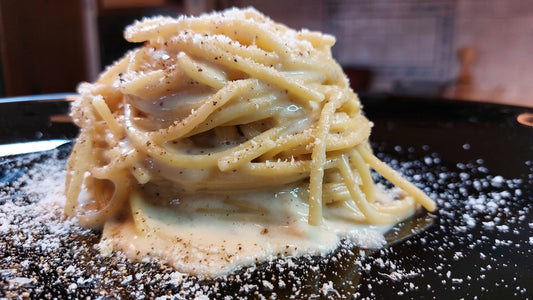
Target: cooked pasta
223 105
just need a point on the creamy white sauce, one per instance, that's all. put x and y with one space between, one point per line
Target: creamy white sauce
207 235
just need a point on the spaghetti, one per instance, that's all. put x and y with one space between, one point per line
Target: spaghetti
221 106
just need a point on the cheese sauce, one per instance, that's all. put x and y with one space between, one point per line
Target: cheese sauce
209 236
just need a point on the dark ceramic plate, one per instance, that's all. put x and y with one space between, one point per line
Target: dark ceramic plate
474 158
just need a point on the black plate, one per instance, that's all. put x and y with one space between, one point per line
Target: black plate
474 158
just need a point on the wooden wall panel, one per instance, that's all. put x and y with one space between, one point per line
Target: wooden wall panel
43 46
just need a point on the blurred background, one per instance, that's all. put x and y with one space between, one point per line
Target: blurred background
478 50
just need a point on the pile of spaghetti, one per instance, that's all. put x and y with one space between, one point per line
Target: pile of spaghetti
221 104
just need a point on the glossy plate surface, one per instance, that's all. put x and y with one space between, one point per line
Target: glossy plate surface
474 158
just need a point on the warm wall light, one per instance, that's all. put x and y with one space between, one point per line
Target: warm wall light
525 119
